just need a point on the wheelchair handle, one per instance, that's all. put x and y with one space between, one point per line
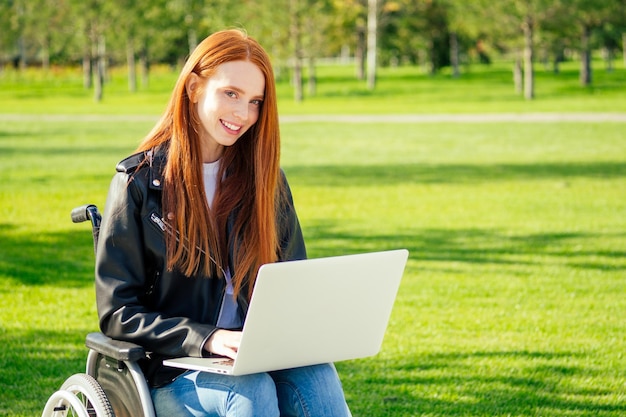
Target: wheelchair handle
89 212
86 212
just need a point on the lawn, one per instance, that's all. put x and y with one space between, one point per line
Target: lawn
404 90
512 303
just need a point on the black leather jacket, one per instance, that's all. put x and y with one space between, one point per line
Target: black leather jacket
138 299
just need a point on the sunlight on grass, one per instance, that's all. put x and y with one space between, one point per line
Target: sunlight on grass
512 300
404 90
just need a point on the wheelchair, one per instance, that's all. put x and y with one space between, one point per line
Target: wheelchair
113 383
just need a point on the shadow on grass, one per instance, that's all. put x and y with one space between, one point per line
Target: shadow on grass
527 383
66 259
378 175
58 259
34 363
10 134
475 246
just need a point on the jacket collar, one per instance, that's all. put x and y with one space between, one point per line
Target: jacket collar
155 158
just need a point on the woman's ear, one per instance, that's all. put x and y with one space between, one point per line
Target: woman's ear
192 85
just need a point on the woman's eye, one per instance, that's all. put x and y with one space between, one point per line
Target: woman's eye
257 102
231 94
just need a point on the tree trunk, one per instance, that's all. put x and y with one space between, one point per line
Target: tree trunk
294 30
100 68
97 91
360 53
555 64
454 54
104 63
624 48
298 94
45 58
607 54
132 67
372 26
585 58
21 45
87 70
529 72
431 53
144 64
518 76
312 77
310 28
21 40
45 53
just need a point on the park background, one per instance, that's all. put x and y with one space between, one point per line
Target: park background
488 138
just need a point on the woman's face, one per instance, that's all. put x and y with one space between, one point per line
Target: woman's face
228 104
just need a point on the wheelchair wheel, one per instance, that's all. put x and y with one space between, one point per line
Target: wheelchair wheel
80 396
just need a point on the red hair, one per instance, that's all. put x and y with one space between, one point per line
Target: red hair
250 169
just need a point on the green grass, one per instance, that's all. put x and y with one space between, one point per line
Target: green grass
399 90
513 299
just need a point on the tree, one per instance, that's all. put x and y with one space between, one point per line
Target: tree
349 30
372 37
7 34
590 16
624 46
514 24
416 32
91 18
36 25
433 33
18 24
456 23
317 25
143 32
296 11
306 24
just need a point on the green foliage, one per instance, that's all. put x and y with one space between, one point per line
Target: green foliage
416 31
512 301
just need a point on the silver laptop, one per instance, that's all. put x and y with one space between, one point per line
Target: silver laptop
313 311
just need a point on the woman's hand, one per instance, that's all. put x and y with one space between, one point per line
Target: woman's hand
224 343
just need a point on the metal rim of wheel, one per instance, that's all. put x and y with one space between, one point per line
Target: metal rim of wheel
80 396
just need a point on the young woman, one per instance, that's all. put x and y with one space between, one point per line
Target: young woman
188 221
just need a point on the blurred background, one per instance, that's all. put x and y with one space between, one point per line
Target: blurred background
433 35
487 137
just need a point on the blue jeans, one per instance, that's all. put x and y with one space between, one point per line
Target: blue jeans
303 392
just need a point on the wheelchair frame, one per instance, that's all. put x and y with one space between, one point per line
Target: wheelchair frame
113 385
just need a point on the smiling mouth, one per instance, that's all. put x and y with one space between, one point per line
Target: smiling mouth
230 126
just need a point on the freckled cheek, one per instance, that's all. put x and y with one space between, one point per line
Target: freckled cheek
254 115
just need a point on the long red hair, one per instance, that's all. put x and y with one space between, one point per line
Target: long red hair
199 243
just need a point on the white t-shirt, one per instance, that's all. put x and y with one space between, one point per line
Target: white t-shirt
229 313
210 180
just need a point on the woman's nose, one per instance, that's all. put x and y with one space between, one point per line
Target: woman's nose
241 111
